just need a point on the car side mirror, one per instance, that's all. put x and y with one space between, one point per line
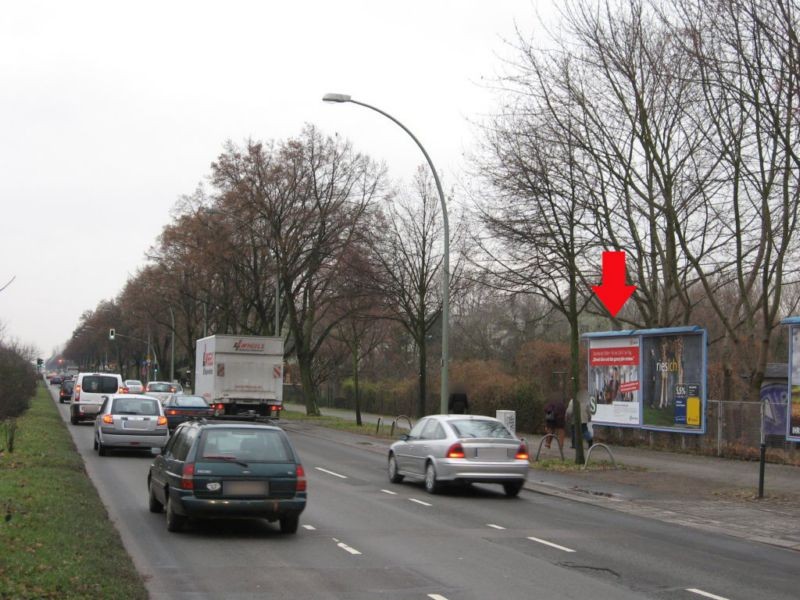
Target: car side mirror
155 451
405 437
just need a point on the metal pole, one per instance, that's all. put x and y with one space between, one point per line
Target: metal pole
277 307
205 319
762 456
445 262
172 348
148 354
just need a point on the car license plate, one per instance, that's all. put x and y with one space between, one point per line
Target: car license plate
245 488
492 453
134 424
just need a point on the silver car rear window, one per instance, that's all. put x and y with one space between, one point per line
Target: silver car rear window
135 406
189 402
479 428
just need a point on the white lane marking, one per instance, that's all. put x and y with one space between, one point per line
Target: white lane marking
706 594
309 527
436 597
493 526
351 550
331 473
420 502
389 492
551 544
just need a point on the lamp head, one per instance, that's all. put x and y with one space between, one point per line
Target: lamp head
336 98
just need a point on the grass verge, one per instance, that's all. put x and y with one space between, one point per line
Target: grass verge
569 466
346 425
55 535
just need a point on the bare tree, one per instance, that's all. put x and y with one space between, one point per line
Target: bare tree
307 197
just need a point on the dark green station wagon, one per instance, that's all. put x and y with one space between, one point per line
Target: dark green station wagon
224 469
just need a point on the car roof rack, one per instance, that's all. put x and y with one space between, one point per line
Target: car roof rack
244 418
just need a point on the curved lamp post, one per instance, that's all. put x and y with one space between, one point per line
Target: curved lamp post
446 262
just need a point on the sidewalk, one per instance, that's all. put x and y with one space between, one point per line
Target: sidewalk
710 493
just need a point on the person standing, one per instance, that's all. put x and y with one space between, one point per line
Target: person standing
554 421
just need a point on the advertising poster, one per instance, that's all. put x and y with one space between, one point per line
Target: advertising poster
673 368
614 380
794 383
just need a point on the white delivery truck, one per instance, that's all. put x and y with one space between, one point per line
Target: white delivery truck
239 374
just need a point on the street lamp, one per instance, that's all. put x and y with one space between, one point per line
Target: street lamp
446 263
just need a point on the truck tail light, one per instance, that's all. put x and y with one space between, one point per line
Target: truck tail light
455 451
108 419
187 477
301 479
522 452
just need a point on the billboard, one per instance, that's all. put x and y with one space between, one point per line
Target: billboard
652 379
793 408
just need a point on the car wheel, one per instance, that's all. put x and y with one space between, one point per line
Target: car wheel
512 489
153 504
102 450
289 524
431 485
175 522
73 419
95 443
394 476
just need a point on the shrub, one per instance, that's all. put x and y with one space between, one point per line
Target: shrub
17 382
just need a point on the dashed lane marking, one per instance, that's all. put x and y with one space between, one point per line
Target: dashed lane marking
705 594
436 597
493 526
551 544
390 492
309 527
420 502
339 475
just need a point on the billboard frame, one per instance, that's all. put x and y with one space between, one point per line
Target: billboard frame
641 335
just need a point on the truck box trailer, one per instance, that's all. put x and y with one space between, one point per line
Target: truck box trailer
240 374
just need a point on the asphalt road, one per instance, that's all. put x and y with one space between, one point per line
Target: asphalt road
364 538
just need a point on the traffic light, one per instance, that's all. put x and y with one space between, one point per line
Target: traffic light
40 361
111 334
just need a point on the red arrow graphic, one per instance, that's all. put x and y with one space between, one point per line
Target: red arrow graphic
613 292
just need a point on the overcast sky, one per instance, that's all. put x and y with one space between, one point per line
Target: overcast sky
110 111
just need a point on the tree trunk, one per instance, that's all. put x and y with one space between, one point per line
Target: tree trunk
355 386
307 382
423 377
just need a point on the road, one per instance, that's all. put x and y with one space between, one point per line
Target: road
364 538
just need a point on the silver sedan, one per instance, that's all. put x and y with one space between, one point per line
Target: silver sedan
460 448
130 421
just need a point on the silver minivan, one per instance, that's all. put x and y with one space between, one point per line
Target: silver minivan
89 392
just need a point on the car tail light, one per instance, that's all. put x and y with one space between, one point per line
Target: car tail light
522 452
124 390
162 421
108 419
301 479
172 390
187 477
172 411
455 451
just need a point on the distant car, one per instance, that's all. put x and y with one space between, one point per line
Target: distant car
181 408
460 448
215 469
134 386
65 392
162 390
56 380
90 391
130 421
